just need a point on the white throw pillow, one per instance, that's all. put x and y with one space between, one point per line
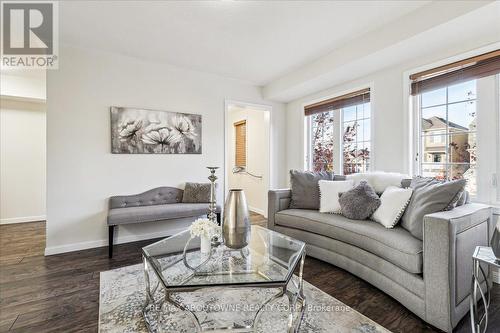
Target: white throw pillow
379 180
394 201
329 194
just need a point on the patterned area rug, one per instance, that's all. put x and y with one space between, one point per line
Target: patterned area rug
122 295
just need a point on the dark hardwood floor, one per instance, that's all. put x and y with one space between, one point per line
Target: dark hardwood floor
60 293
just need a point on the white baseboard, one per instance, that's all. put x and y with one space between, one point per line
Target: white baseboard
74 247
256 210
496 276
23 219
104 242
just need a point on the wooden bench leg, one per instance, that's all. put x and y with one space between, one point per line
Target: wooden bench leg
110 245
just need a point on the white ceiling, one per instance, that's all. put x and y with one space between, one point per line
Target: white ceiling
252 41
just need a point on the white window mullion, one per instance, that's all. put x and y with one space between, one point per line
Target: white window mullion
447 166
337 143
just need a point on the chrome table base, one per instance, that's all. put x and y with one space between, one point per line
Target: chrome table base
482 255
154 307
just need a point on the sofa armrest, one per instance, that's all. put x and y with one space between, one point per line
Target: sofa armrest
450 238
277 200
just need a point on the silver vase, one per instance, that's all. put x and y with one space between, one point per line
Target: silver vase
236 223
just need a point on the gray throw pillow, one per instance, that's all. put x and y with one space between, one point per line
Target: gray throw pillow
405 183
360 202
305 188
196 193
429 196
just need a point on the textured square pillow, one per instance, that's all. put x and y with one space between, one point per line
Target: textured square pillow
329 194
393 204
429 196
196 193
359 202
304 187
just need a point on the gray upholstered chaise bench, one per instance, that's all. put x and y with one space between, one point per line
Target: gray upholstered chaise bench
158 204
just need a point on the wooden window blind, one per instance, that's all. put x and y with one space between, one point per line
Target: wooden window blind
460 71
354 98
240 130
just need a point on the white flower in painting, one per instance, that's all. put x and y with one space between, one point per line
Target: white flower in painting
158 134
204 227
128 129
183 127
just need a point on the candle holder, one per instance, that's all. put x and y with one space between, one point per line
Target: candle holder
212 206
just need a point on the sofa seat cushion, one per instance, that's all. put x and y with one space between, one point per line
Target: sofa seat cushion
395 245
156 213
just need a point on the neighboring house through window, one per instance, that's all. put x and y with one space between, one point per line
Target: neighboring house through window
339 133
456 108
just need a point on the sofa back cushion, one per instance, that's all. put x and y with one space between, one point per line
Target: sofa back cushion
305 188
196 193
157 196
379 180
429 196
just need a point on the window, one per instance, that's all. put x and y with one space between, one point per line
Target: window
356 138
339 133
457 107
240 137
322 141
436 158
448 118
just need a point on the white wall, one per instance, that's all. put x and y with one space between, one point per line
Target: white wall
390 114
22 161
257 128
436 28
82 173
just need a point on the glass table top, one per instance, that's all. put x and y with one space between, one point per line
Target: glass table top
485 254
270 258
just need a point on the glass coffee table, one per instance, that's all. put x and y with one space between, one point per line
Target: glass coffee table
176 265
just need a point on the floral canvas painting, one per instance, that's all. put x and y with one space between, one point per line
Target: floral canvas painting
141 131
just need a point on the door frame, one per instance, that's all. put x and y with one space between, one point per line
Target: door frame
259 106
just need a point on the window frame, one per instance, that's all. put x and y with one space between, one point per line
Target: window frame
341 130
446 132
488 190
338 160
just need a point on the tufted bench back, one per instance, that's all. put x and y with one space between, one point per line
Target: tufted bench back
157 196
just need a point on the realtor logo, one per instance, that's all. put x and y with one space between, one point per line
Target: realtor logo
29 34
